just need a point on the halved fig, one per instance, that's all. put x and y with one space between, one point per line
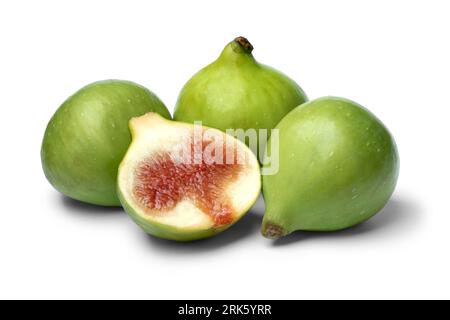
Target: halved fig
185 182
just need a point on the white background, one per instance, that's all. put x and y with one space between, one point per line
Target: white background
390 56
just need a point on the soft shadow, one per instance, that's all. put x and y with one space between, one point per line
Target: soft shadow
86 208
249 225
399 214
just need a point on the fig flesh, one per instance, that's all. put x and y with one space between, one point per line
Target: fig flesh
183 182
338 166
88 136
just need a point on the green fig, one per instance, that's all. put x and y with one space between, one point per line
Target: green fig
88 136
338 166
184 182
237 92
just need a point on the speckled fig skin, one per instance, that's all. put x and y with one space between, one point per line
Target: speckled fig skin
338 167
237 92
88 136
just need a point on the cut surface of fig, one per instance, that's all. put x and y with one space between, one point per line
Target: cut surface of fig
160 184
183 182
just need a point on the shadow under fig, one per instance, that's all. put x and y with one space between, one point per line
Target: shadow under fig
398 215
85 208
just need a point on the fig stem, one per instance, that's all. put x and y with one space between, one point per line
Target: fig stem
242 44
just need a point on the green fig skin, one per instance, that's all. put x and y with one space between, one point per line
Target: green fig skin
237 92
338 166
88 136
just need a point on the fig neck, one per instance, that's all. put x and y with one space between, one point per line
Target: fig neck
238 51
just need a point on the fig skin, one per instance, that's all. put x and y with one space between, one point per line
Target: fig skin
338 167
237 92
88 136
168 232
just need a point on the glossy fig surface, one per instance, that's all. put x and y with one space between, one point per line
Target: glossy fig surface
88 136
237 92
338 166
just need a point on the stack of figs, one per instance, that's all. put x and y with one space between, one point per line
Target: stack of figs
239 127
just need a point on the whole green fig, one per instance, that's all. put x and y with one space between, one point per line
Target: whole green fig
237 92
338 166
88 136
